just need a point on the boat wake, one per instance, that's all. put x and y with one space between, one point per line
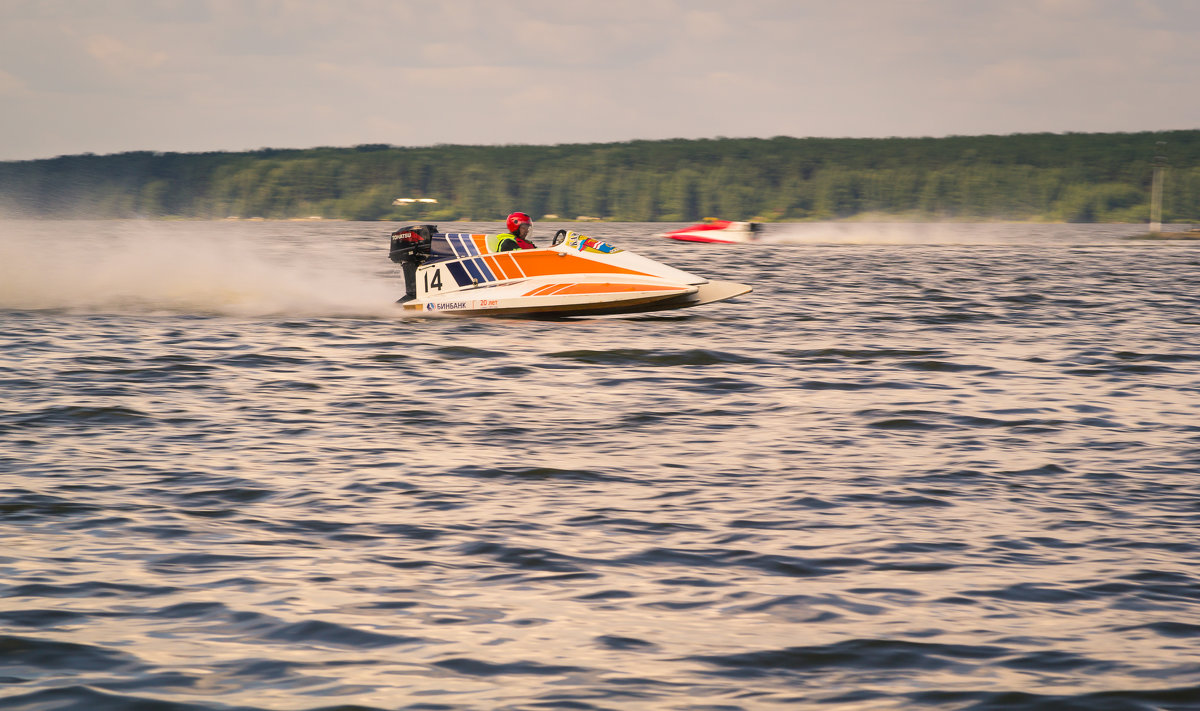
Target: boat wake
184 271
935 233
874 233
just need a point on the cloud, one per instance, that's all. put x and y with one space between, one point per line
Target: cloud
234 74
9 84
121 58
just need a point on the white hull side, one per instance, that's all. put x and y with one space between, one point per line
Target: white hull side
553 295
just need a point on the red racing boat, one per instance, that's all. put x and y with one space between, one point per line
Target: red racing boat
713 230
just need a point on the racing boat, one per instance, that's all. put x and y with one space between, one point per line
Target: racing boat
456 273
713 230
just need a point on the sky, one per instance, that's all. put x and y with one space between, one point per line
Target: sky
109 76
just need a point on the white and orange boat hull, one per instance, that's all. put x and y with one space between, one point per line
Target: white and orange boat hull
580 276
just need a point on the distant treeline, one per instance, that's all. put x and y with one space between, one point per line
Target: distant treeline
1078 177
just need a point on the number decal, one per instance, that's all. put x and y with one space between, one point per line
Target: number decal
436 282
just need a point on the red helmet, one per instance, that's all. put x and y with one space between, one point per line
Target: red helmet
517 219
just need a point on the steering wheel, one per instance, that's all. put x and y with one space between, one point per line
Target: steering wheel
559 237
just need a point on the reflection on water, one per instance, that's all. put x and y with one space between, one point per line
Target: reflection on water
949 473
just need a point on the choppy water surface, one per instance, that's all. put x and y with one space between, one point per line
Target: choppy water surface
935 467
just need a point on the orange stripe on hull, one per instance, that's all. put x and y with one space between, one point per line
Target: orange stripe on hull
496 268
543 290
614 288
510 265
559 289
550 263
480 243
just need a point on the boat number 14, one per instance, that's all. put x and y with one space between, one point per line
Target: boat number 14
435 282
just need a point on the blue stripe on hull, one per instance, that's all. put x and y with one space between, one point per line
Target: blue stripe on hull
464 246
473 270
460 275
484 269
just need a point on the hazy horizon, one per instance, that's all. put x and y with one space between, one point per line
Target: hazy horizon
573 143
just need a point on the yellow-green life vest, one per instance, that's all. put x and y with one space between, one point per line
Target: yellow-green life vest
496 242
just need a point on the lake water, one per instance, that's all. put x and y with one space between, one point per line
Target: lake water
919 467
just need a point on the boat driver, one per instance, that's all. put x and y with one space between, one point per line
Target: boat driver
519 226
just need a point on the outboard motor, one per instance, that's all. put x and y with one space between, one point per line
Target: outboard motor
410 246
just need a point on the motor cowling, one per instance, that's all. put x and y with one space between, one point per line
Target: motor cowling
410 245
